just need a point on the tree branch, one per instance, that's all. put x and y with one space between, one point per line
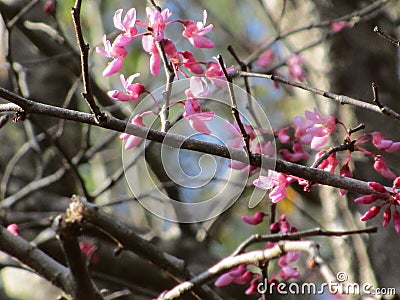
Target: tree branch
84 50
182 142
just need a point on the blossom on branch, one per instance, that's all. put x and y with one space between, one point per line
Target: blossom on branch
132 90
157 22
391 200
114 51
194 32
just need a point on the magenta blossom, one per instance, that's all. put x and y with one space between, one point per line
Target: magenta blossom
158 21
391 200
381 166
321 130
255 219
338 26
190 62
149 46
265 59
295 64
127 25
132 140
214 71
279 181
297 154
194 32
132 90
114 51
196 117
379 141
13 229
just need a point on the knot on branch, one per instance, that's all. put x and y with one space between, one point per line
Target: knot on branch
75 212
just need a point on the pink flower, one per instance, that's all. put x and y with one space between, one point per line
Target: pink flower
133 91
371 213
194 32
238 275
255 219
301 125
381 166
366 199
396 220
128 26
338 26
329 164
13 229
132 140
196 117
158 21
391 199
190 62
265 59
322 128
253 287
288 258
214 72
283 136
297 154
345 172
288 272
279 182
295 64
114 51
379 141
149 46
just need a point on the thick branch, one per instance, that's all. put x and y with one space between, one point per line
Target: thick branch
182 142
129 240
84 288
37 260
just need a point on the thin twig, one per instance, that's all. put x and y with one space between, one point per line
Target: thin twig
244 67
84 51
338 98
235 112
21 13
257 238
387 37
353 18
170 74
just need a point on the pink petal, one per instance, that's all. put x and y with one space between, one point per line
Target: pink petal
386 216
201 42
224 280
113 67
366 199
371 213
255 219
132 142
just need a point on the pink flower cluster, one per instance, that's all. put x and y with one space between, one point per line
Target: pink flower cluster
153 34
391 200
242 274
